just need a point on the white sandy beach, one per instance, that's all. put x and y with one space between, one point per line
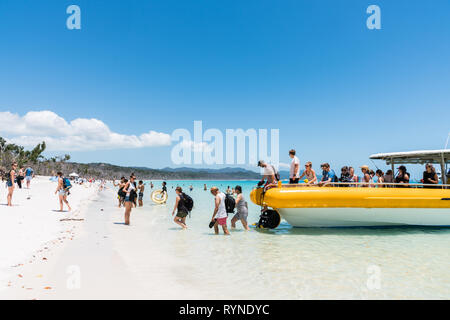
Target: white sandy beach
31 230
100 258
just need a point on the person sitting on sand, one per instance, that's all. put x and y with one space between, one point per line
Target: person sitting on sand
141 188
241 209
29 175
62 193
129 198
181 209
309 173
11 177
328 175
220 215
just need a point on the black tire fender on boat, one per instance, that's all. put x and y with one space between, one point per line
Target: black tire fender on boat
269 219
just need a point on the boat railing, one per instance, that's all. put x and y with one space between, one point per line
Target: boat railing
368 185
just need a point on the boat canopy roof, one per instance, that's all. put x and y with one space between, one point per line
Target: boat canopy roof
421 156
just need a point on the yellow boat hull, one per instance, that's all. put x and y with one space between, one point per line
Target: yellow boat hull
341 207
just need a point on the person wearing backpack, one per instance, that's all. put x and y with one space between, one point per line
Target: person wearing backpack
220 215
181 207
62 190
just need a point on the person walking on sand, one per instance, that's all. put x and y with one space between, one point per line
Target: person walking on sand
241 209
11 177
141 188
180 208
29 175
220 215
129 198
62 192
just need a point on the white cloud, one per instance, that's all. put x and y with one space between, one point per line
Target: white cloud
196 146
79 134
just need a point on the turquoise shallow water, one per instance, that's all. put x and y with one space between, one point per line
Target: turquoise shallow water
292 263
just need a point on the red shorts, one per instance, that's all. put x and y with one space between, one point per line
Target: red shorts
222 221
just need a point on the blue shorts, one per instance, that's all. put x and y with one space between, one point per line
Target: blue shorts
9 183
127 199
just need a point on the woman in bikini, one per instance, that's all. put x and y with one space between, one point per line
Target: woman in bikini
309 173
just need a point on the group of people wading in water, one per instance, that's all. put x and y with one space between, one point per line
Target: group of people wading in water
224 204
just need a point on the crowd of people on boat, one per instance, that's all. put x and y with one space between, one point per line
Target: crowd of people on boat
347 177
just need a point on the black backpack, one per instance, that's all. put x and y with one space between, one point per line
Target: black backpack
276 173
188 202
230 203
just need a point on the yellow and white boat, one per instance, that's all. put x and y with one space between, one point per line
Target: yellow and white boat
350 206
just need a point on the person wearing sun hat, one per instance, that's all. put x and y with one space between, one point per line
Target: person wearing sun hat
366 176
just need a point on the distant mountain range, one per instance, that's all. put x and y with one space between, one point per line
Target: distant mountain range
109 171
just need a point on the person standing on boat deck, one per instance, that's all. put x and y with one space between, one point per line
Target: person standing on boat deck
268 175
353 176
388 178
309 173
180 207
220 215
430 176
241 209
328 174
402 176
294 170
380 178
366 176
345 177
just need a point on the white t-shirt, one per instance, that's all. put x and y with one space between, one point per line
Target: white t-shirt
293 174
268 170
221 212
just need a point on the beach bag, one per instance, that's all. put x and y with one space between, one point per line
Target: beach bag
121 194
188 202
230 203
276 174
66 184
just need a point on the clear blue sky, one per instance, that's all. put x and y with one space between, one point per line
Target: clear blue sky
336 90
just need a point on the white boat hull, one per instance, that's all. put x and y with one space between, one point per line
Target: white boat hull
365 217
